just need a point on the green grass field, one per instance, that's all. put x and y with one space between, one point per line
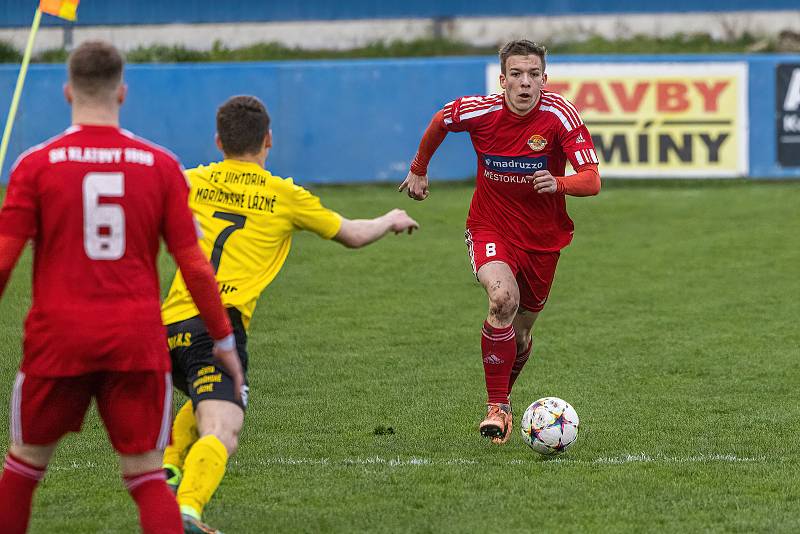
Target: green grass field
671 327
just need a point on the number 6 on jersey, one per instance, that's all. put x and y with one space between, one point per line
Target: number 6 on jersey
103 224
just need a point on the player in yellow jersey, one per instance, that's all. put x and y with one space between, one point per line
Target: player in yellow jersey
247 217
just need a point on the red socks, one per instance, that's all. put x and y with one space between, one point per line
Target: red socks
158 509
499 350
16 493
519 363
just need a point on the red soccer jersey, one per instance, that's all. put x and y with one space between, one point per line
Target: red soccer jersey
95 201
509 149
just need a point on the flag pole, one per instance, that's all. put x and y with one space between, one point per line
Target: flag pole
23 71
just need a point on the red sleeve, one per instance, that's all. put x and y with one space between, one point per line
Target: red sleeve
431 140
578 146
200 281
18 215
10 249
178 224
584 183
456 115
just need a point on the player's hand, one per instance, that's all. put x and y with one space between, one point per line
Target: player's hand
229 359
400 222
416 186
544 182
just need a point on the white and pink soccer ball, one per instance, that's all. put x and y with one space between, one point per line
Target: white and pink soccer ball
550 425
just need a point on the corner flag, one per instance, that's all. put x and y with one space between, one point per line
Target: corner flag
66 9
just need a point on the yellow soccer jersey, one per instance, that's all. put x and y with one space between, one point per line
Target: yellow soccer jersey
247 217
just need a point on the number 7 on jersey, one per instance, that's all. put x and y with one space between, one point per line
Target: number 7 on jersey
237 222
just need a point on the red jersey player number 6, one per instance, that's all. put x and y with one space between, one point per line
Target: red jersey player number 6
96 200
517 222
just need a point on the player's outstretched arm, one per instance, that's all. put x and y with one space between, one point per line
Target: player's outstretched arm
199 278
10 251
361 232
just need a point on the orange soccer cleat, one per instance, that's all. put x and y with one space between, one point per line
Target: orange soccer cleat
497 424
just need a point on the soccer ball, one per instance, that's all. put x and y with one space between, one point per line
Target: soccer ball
550 426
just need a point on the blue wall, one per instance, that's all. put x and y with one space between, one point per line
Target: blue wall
93 12
333 121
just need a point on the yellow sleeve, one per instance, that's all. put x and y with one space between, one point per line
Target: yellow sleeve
309 214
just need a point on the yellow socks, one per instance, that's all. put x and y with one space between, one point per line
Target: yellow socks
184 434
203 470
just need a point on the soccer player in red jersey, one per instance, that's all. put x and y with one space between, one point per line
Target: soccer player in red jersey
517 222
95 200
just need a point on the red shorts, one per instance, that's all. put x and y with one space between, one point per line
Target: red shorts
534 271
136 408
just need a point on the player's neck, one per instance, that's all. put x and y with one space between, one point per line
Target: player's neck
248 158
95 116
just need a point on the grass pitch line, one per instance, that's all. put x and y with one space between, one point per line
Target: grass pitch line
662 459
418 461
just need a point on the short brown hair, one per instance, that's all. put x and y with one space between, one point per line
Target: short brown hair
95 68
521 47
242 125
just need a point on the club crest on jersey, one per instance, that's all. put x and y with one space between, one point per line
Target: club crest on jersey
537 142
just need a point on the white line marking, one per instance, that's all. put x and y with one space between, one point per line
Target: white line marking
534 459
74 465
661 459
416 461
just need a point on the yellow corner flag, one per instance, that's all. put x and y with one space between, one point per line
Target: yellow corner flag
66 9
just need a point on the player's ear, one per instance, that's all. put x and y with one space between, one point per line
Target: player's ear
503 81
544 78
268 139
122 92
68 93
218 142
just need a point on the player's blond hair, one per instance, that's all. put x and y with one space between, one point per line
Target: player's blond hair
521 47
95 69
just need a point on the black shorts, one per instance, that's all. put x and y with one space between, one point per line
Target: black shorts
194 370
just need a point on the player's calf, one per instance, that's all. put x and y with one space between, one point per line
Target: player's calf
519 362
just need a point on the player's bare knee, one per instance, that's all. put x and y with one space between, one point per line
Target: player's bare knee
503 306
222 426
231 443
229 437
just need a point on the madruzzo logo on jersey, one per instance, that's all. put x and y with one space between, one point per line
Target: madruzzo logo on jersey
514 165
658 119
